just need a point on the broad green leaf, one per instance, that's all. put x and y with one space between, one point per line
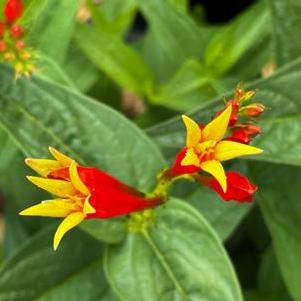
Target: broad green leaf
286 29
232 41
39 114
175 30
119 61
114 16
80 69
180 258
279 93
279 200
51 32
223 216
188 86
36 272
49 69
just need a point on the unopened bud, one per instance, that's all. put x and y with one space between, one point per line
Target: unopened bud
9 56
252 110
3 46
249 128
16 31
20 45
2 27
25 55
242 95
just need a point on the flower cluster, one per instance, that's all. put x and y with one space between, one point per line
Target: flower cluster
224 138
12 45
87 192
82 193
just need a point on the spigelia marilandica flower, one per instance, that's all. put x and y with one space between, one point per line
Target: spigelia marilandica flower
206 148
82 193
239 187
13 48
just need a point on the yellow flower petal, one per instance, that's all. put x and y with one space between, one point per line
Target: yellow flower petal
88 209
216 169
226 150
76 180
42 166
67 224
63 159
57 187
52 208
216 129
193 135
190 158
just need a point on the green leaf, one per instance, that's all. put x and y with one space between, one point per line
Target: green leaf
279 200
49 69
13 175
175 30
36 272
114 16
279 93
118 61
189 86
286 29
180 258
232 41
90 132
51 32
223 216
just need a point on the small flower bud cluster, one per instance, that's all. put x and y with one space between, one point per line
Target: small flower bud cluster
13 48
242 122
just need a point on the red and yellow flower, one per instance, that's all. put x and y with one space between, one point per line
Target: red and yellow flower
82 193
206 148
12 45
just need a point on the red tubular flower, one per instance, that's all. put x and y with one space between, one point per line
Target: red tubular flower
82 193
239 188
178 169
13 10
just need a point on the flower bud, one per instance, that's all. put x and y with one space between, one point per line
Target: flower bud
13 10
241 95
16 31
20 44
239 188
250 129
25 55
252 110
2 27
9 56
3 46
239 135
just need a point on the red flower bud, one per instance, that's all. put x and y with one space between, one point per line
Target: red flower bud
177 169
2 27
253 110
16 31
250 129
20 45
13 10
239 188
3 46
240 135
